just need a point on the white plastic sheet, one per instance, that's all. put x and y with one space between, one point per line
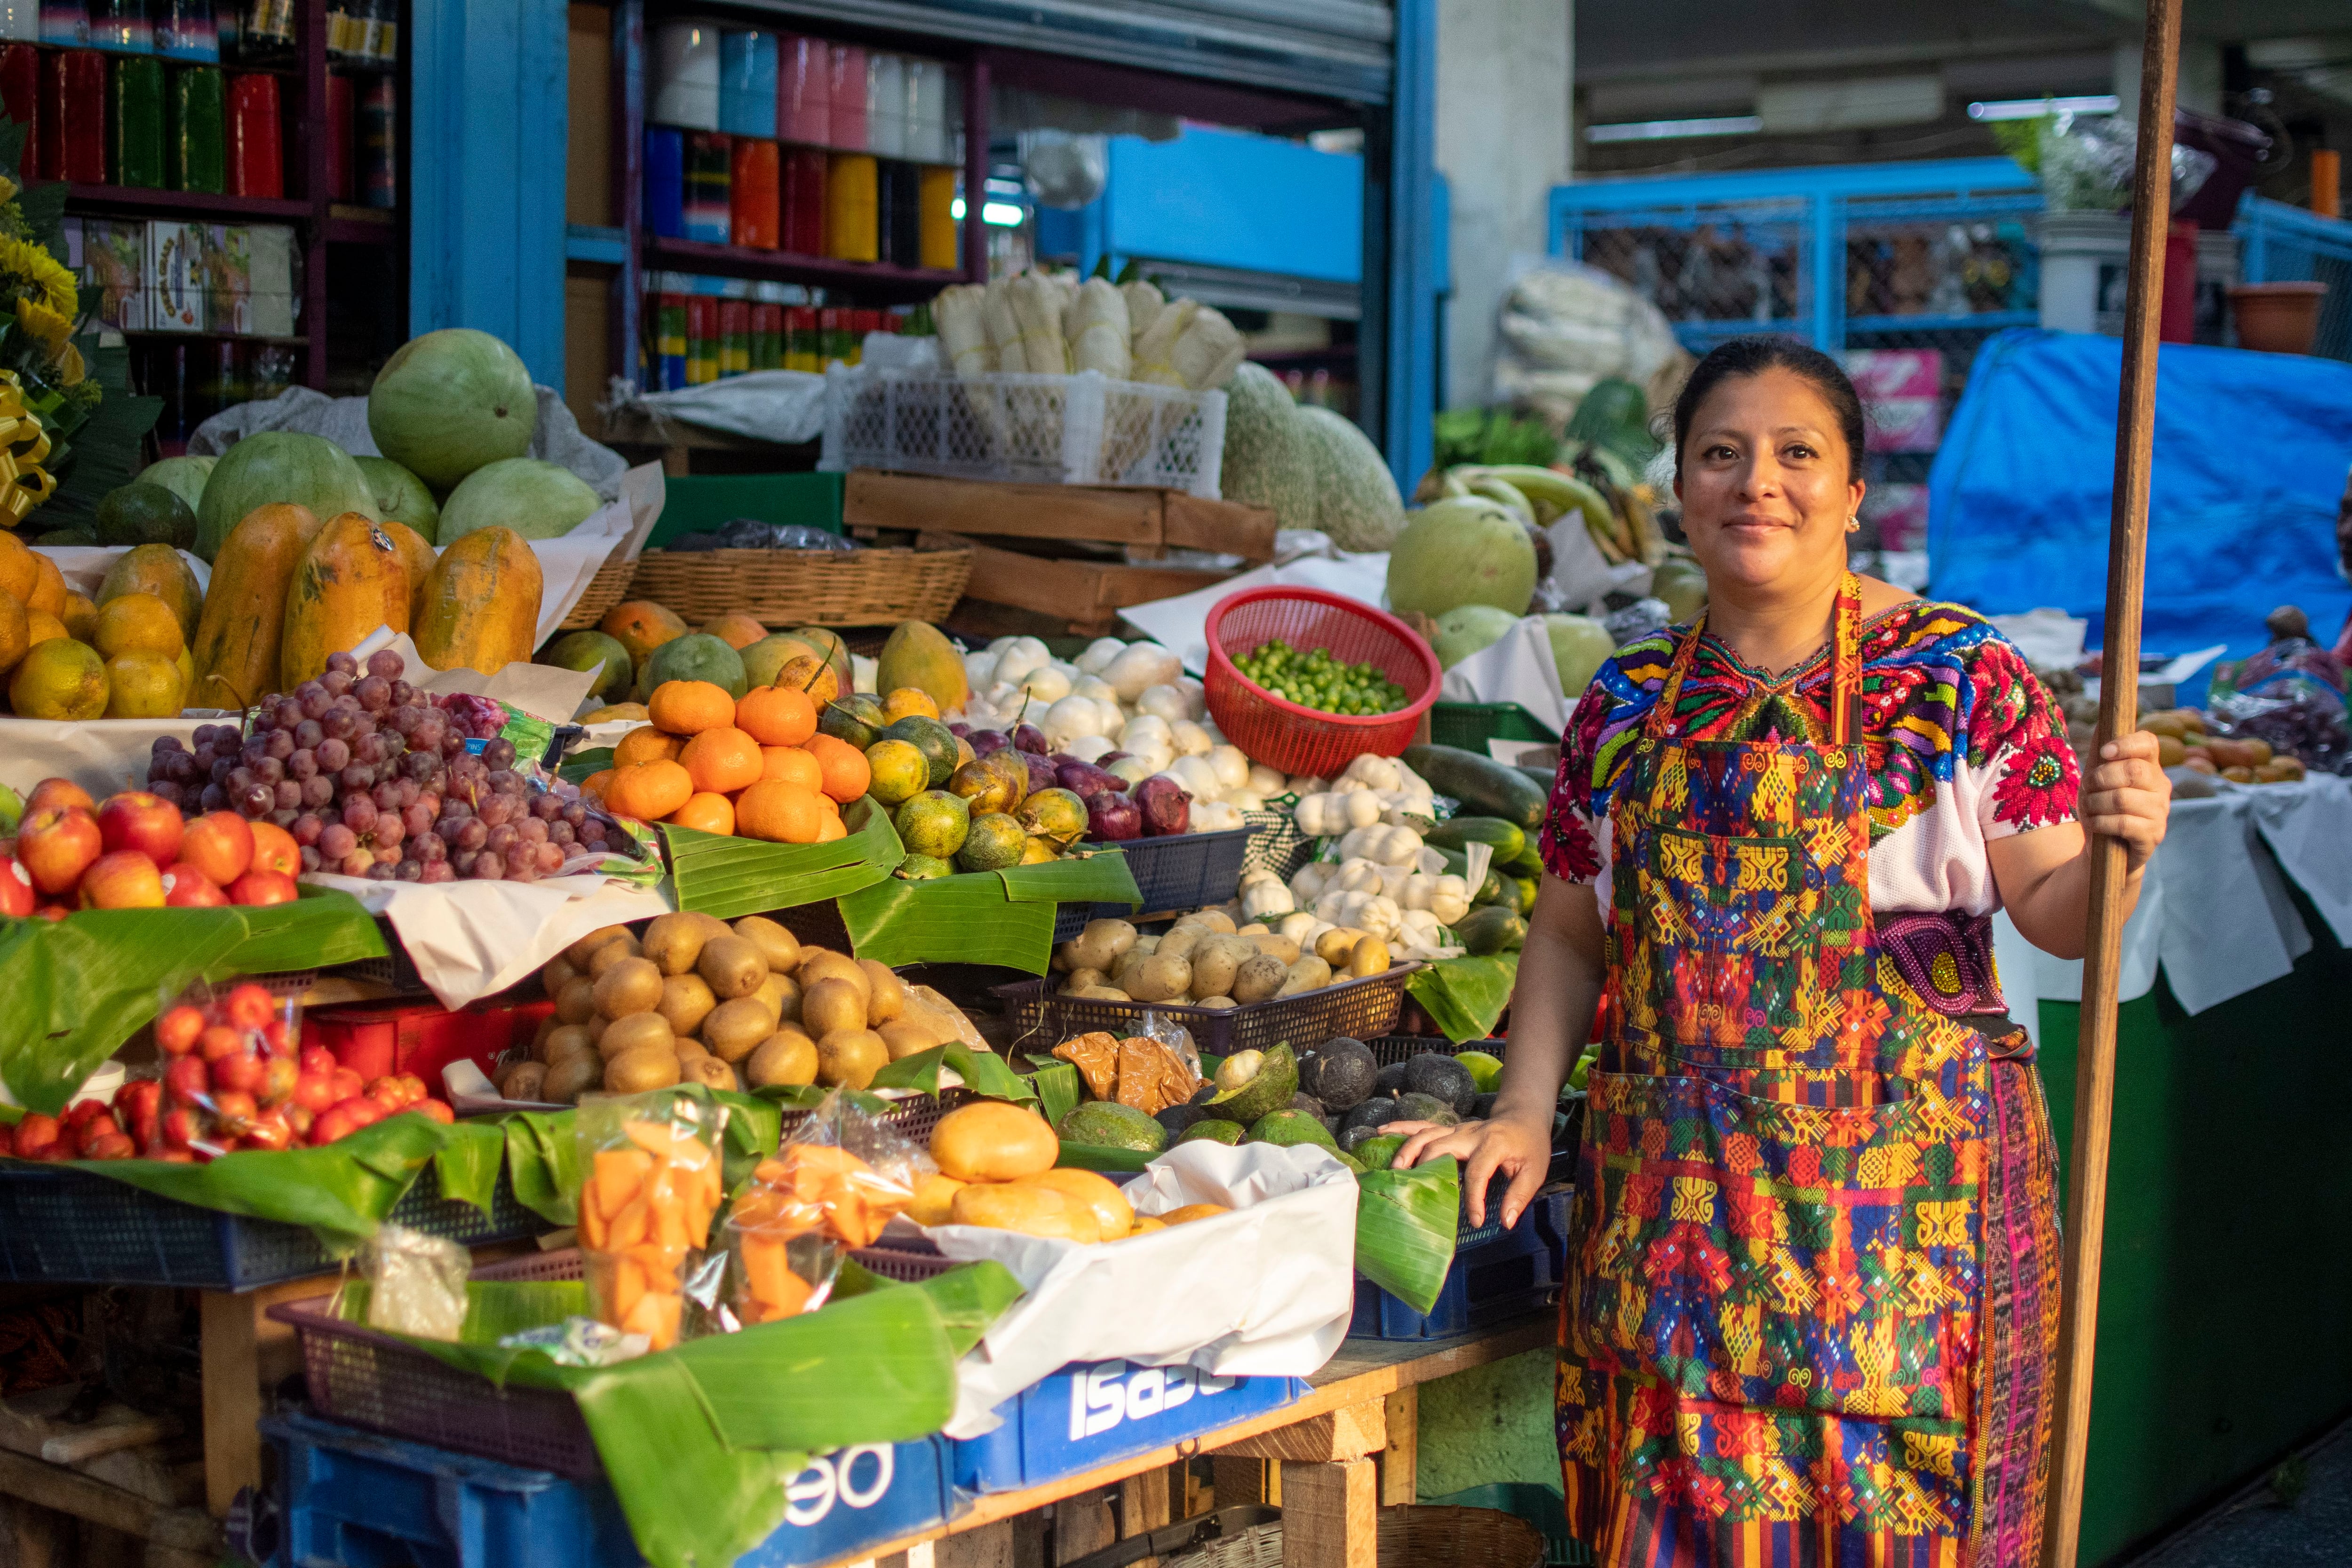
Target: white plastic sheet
1518 667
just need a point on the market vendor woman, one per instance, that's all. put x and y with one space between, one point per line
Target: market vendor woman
1811 1296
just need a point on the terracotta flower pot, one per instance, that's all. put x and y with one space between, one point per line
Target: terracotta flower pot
2277 317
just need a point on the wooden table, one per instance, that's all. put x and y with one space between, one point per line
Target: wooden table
1330 1462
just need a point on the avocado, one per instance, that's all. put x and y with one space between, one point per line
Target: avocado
1390 1080
1306 1102
1441 1077
1351 1161
1375 1153
1108 1124
1213 1131
1285 1128
140 513
1340 1072
1485 1068
1482 1107
1247 1090
1425 1107
1177 1117
1366 1122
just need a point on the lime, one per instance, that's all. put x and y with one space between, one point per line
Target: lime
1485 1071
994 842
933 823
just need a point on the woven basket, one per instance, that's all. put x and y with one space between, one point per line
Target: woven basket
605 590
806 587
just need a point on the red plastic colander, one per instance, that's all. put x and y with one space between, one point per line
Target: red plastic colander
1283 734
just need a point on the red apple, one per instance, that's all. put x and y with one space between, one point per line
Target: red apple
314 1092
240 1072
329 1125
100 1126
56 846
414 1086
179 1129
263 887
147 822
122 879
234 1109
114 1146
220 845
278 1037
15 886
249 1006
54 1154
319 1059
186 888
298 1118
219 1040
81 1112
269 1130
140 1105
278 1076
438 1111
274 849
52 791
363 1111
177 1031
35 1132
347 1085
187 1080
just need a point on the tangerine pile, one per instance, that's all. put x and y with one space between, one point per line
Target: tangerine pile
753 766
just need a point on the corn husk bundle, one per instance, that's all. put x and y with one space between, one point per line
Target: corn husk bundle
1099 341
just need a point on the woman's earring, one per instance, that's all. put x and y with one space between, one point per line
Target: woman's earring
1853 525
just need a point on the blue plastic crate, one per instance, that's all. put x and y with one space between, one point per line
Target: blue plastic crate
1496 1273
69 1226
1090 1414
348 1499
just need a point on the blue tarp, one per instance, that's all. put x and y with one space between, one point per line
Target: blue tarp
2251 451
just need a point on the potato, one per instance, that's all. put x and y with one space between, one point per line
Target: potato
1145 945
1078 980
648 1067
577 1002
580 952
1308 973
565 1040
568 1079
780 947
1215 962
611 954
547 1027
675 942
1215 918
1126 965
635 1032
520 1080
1370 956
906 1037
786 1057
686 1001
823 964
1256 928
1181 941
781 994
596 1025
1160 978
1334 945
886 995
732 966
831 1005
1219 1003
1260 978
554 972
735 1029
710 1072
1105 994
848 1059
1277 947
1099 945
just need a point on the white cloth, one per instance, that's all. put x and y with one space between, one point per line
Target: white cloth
1518 668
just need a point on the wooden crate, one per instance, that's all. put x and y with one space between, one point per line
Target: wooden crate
1147 521
1084 596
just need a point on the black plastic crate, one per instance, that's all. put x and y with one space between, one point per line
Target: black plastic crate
1363 1008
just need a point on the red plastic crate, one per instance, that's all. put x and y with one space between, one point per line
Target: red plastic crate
421 1038
1300 739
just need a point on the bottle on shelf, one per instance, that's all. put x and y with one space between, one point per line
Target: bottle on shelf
710 169
686 76
852 208
267 34
122 27
752 194
257 159
72 130
935 203
20 96
379 144
668 368
382 44
734 337
198 140
185 30
845 118
800 201
902 214
135 121
347 24
767 326
665 209
747 82
927 111
886 105
803 344
804 91
701 338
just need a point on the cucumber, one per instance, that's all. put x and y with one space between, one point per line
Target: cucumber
1526 887
1528 862
1490 929
1483 786
1508 840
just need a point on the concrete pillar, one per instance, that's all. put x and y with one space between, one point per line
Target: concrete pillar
1506 75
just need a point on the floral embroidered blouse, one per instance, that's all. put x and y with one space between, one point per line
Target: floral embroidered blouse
1965 746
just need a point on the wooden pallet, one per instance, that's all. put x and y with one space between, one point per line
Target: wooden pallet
119 1488
1146 523
1083 596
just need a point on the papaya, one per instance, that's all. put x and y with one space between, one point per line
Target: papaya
349 582
243 618
157 569
919 654
479 608
416 559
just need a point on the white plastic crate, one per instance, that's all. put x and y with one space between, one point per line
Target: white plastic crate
1082 429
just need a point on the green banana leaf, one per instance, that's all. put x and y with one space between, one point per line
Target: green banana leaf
1101 1157
1003 917
721 875
968 1297
1405 1225
983 1072
578 766
1466 997
342 1190
1056 1083
543 1163
76 989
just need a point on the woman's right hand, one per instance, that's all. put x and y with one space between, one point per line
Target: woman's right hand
1517 1146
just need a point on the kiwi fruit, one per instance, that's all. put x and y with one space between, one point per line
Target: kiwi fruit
635 1032
576 1003
786 1057
906 1037
580 952
566 1080
520 1080
732 966
648 1067
848 1059
708 1071
611 954
886 994
554 972
712 926
632 985
547 1027
596 1025
686 1001
781 994
831 1004
565 1040
735 1028
822 965
780 947
675 942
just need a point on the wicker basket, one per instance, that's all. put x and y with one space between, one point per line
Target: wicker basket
605 590
806 587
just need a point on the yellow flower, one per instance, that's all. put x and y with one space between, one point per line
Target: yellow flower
7 190
69 366
44 324
28 263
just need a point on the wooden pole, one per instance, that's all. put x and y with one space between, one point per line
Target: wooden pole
2095 1071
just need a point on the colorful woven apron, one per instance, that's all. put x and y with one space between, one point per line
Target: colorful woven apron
1776 1266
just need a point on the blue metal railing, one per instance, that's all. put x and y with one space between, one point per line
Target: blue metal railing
2283 243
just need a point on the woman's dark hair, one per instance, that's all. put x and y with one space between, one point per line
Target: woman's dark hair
1753 356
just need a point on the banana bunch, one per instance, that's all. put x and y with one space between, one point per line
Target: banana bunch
1618 518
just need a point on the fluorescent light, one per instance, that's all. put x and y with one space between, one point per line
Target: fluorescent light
2035 107
1670 130
1003 214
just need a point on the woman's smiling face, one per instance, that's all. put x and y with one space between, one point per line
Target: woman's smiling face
1766 482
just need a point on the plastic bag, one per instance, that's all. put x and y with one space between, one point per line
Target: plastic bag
2087 163
652 1187
417 1282
232 1078
834 1184
2291 694
750 533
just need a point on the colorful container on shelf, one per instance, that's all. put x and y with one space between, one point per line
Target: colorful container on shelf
709 177
1092 1413
257 159
747 82
754 194
685 76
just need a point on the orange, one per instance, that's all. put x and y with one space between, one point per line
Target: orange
48 586
832 830
18 570
706 811
790 765
736 628
722 759
846 773
780 813
806 672
647 744
776 715
690 707
595 784
649 790
907 701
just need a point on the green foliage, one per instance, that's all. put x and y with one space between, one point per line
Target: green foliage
1491 436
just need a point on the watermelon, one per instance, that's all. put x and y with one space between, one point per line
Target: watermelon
1357 501
274 465
1467 551
402 497
1266 460
184 477
537 500
451 402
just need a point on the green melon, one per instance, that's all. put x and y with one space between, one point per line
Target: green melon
1108 1124
1357 501
451 402
696 655
184 477
1268 459
402 497
593 650
1465 550
271 467
145 513
537 500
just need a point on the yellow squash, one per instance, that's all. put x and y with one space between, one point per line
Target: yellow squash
351 581
243 621
480 607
